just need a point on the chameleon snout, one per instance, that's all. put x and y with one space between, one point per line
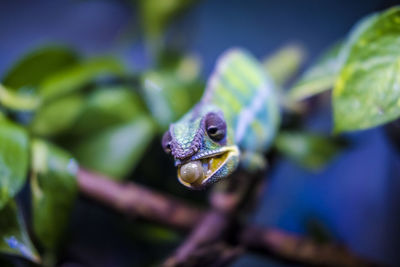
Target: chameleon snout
204 169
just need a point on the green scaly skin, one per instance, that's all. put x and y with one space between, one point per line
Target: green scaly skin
242 97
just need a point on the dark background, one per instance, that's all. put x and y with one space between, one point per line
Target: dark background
356 198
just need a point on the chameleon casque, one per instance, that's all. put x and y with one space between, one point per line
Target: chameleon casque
234 122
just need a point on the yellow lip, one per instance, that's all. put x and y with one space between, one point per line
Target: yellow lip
211 164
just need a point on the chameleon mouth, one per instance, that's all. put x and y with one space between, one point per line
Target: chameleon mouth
201 168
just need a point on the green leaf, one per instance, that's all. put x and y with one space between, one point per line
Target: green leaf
107 107
39 64
18 101
170 94
14 152
284 63
156 15
367 91
14 238
77 77
154 233
54 190
320 77
57 116
309 150
116 150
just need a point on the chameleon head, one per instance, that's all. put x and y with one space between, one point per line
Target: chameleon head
202 147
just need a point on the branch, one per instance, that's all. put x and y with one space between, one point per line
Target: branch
136 200
213 228
205 246
132 199
296 249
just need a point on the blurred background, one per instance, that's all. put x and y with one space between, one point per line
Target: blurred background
354 200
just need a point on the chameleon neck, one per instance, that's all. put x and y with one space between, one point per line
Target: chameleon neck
241 89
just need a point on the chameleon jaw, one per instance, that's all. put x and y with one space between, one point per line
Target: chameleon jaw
200 170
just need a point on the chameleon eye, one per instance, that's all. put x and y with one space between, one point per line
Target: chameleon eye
215 126
166 142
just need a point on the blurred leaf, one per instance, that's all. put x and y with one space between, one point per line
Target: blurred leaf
107 107
284 63
170 94
77 77
57 116
162 94
116 150
14 238
367 91
188 68
18 101
153 233
156 15
168 59
39 64
320 77
311 151
54 189
13 160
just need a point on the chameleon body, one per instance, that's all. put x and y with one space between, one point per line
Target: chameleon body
235 120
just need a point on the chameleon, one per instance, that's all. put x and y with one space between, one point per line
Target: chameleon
234 122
